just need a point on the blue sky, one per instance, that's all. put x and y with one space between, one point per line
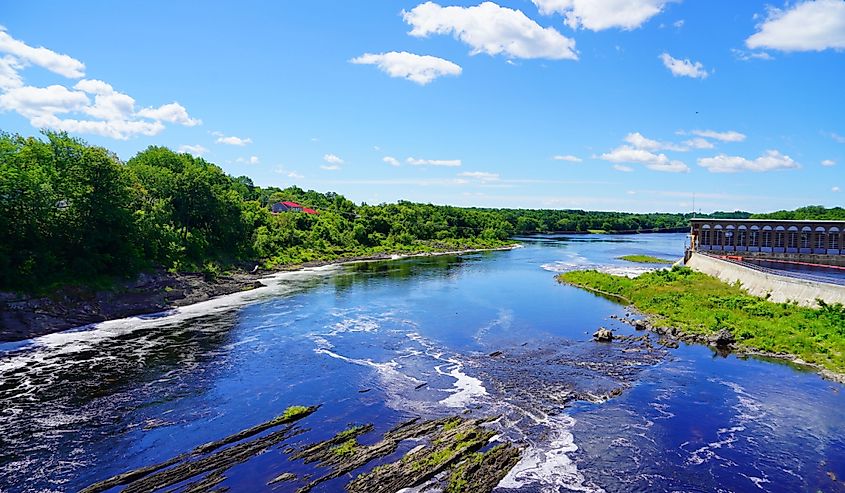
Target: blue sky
632 105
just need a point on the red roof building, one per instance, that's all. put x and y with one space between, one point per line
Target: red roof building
291 207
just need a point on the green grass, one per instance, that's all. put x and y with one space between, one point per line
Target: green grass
695 303
346 448
294 412
644 259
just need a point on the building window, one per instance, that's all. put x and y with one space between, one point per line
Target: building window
779 239
833 241
820 240
793 240
705 237
805 239
755 239
767 239
742 239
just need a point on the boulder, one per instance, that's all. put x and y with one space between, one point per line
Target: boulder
603 335
641 324
723 338
288 476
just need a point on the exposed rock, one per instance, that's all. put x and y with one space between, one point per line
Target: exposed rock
24 317
603 335
670 343
281 478
495 354
483 471
452 448
642 324
722 339
199 461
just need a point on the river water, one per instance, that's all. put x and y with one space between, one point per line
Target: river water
380 342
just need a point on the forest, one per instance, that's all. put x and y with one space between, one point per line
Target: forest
71 212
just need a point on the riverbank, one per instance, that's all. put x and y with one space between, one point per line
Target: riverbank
24 316
682 305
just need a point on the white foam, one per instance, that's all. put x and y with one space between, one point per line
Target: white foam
360 324
466 389
59 344
549 466
616 270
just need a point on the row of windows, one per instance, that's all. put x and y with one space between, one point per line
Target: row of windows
754 238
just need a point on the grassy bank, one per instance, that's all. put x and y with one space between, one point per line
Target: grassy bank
699 305
645 259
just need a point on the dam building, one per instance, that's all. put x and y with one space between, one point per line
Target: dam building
811 242
783 261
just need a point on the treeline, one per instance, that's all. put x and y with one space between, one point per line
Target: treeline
72 212
811 212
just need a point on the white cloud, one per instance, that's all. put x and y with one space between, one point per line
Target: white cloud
171 112
196 150
699 143
751 55
771 160
421 69
567 157
118 129
38 102
834 189
482 176
652 161
332 159
597 15
330 167
828 162
63 65
290 174
678 23
9 76
111 114
729 136
231 140
623 168
108 104
807 26
391 160
492 29
683 68
249 160
640 141
836 137
433 162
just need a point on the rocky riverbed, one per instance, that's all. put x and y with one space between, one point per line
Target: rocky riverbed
456 453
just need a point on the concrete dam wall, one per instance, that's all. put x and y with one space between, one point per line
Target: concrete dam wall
779 288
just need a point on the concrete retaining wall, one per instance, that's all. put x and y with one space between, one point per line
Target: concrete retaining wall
781 288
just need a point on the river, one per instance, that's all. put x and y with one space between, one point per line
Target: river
379 342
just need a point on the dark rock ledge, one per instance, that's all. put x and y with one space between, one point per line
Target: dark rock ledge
456 453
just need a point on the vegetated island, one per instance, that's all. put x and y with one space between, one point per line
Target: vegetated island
644 259
692 307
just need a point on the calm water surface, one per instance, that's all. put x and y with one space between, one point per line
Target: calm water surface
80 406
